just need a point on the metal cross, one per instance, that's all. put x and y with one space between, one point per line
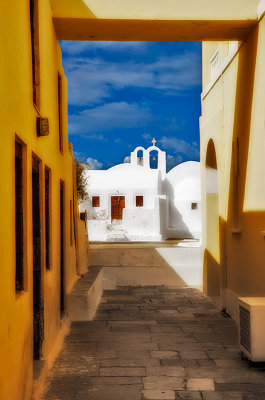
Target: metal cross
154 141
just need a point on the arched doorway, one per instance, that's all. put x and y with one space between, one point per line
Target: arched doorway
211 267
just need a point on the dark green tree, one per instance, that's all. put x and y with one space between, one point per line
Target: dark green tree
81 165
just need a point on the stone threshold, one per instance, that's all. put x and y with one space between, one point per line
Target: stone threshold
42 367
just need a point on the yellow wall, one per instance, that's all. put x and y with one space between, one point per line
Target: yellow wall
18 117
233 106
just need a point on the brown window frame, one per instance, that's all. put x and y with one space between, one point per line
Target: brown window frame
60 122
74 214
194 206
37 255
95 201
47 209
62 249
20 217
139 201
71 222
35 51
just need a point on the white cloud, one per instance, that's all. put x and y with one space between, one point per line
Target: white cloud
146 136
172 161
181 146
96 136
107 117
94 164
127 159
78 47
92 80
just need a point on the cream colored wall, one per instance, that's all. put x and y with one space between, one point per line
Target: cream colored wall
247 251
83 248
225 113
156 20
163 9
218 106
18 117
234 107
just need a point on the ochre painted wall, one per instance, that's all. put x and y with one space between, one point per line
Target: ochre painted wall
18 117
233 109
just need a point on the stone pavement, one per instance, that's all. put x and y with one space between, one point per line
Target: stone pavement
154 343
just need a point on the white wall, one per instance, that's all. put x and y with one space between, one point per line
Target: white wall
138 223
183 187
166 211
142 223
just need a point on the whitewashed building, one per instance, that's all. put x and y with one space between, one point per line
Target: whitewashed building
139 201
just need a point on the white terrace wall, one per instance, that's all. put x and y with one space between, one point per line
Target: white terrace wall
182 186
171 202
138 223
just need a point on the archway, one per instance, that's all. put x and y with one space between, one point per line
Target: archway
140 157
153 159
211 267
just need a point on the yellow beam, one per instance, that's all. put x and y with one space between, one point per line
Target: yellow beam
184 10
154 19
160 30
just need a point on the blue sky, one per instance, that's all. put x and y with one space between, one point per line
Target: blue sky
122 94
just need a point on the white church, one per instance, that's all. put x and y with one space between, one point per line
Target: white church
139 201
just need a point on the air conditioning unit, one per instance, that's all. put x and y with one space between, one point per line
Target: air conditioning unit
252 327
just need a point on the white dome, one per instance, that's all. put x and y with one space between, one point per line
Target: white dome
185 178
123 176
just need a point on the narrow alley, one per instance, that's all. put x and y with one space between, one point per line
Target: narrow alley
155 343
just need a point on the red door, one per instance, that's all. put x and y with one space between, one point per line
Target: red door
117 206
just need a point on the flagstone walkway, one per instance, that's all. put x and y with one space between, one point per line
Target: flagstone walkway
154 343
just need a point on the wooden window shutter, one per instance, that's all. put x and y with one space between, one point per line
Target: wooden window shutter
95 201
139 200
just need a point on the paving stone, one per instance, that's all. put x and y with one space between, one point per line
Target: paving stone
198 355
101 353
132 354
230 363
223 396
129 328
223 354
118 393
166 328
223 385
187 395
253 396
209 372
130 362
194 350
163 382
166 371
200 384
135 322
206 363
133 346
181 362
122 371
171 337
158 394
102 381
66 396
164 354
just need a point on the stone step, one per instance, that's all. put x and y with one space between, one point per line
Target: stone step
141 255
